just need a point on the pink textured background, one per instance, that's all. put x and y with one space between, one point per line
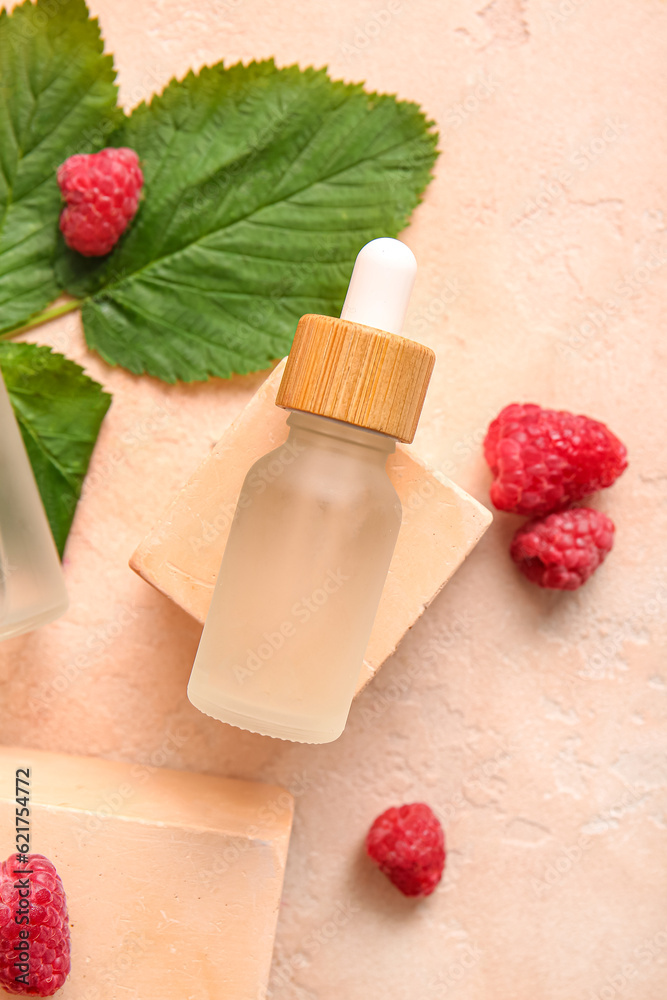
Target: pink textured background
538 731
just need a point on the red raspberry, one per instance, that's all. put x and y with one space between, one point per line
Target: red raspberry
544 460
47 944
408 844
102 194
562 550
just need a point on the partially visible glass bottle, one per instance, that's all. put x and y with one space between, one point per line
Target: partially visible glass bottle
32 588
317 518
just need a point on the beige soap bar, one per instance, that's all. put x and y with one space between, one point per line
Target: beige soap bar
173 879
441 524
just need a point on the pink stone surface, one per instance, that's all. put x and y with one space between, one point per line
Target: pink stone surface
533 723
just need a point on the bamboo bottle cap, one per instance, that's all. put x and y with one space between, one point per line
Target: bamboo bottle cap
358 374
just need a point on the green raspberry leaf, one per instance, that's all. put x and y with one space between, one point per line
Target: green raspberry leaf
57 97
261 185
59 411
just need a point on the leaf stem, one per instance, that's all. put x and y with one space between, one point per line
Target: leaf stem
43 317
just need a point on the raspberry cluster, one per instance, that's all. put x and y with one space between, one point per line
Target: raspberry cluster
542 462
102 195
34 952
408 844
562 550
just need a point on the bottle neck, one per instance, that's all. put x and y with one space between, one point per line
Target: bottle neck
324 432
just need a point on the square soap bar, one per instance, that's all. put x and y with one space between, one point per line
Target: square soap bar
441 524
173 879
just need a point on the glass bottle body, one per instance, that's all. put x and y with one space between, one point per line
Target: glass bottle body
32 588
300 582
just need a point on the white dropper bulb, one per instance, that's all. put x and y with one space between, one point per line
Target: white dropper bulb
380 286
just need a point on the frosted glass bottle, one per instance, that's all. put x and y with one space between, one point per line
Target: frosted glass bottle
317 518
32 588
301 578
